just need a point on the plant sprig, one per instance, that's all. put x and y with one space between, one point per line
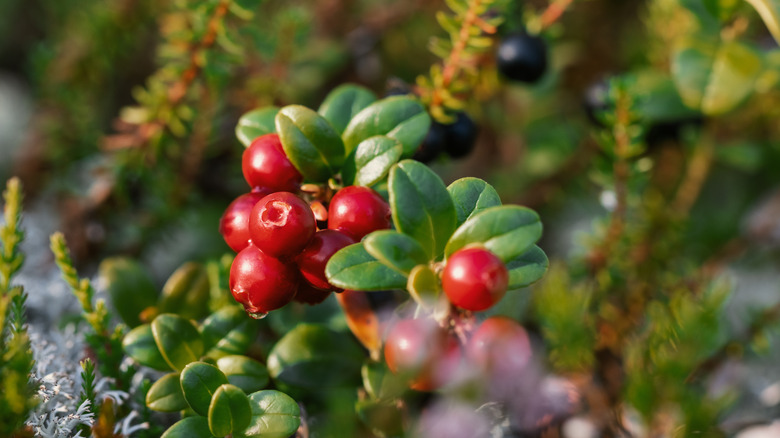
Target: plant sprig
10 234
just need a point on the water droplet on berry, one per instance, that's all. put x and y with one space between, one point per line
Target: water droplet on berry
257 315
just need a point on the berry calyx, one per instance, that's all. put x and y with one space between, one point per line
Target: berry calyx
312 260
234 224
358 211
414 349
260 282
522 57
265 164
500 347
281 224
474 279
461 136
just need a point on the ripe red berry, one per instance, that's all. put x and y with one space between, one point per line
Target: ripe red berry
420 351
500 347
474 279
312 260
281 224
358 211
260 282
234 224
309 294
265 164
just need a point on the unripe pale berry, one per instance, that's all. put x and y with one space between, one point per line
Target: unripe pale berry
265 165
358 211
474 279
260 282
500 347
281 224
421 351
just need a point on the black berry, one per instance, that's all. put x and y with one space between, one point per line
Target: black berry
522 57
433 145
461 136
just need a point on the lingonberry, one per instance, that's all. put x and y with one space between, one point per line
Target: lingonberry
312 260
474 279
265 164
309 294
358 211
416 349
522 57
281 224
433 145
461 136
234 224
499 347
260 282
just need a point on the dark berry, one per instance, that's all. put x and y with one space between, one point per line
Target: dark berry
417 349
260 282
522 57
474 279
234 224
265 164
461 136
358 211
312 260
433 145
281 224
308 294
500 347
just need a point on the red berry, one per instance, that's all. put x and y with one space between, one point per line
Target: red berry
281 224
312 260
234 224
358 211
265 164
260 282
474 279
309 294
415 348
500 347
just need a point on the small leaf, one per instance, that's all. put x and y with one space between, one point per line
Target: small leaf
424 286
229 411
130 287
527 268
199 382
769 10
361 319
395 250
256 123
274 415
343 103
186 292
421 206
472 195
310 142
353 267
190 427
380 383
371 160
177 339
383 417
398 117
140 345
507 231
228 331
248 374
165 394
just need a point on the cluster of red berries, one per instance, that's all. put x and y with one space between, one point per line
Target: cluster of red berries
282 245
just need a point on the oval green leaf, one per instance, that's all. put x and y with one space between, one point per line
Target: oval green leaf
527 268
256 123
371 160
229 411
190 427
343 103
421 206
354 268
177 339
165 394
398 117
247 374
395 250
380 383
186 292
769 10
310 142
274 415
424 286
130 287
199 382
140 345
228 331
472 195
507 231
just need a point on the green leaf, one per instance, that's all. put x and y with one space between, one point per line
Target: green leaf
380 383
421 206
472 195
310 142
186 292
140 345
199 382
229 411
398 117
248 374
256 123
723 10
190 427
165 394
769 10
130 287
177 339
383 417
343 103
228 331
395 250
353 267
507 231
527 268
424 286
314 357
274 415
715 77
371 160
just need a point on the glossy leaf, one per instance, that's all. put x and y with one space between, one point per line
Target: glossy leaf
190 427
256 123
140 345
361 319
507 231
380 383
395 250
310 142
421 206
313 356
130 287
472 195
165 394
228 331
353 267
424 286
398 117
274 415
247 374
770 13
371 160
177 339
343 103
199 382
229 411
527 268
186 292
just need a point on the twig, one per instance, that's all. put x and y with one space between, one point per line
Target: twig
695 176
553 12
